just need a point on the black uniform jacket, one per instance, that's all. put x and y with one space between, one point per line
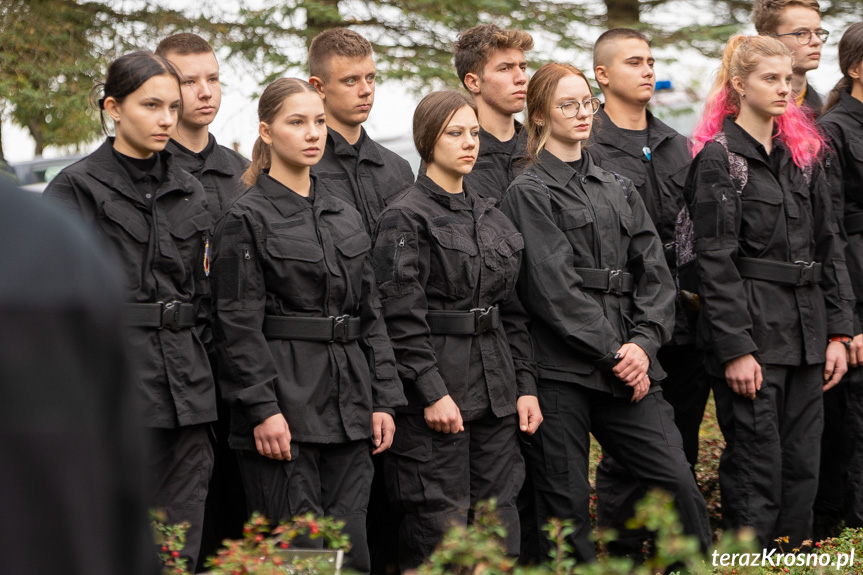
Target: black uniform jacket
218 168
497 164
659 180
161 244
280 254
440 251
572 220
812 102
843 124
776 216
367 179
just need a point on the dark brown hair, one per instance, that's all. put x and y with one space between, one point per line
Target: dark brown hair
474 47
850 53
183 44
268 108
335 42
604 43
432 115
128 73
540 95
767 13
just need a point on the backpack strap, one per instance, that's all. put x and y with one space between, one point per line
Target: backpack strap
738 166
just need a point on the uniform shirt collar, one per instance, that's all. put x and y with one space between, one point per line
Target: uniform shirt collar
367 152
438 194
288 202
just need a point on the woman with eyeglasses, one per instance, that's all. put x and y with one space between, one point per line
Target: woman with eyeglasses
601 302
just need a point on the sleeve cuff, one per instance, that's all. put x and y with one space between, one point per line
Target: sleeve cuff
430 386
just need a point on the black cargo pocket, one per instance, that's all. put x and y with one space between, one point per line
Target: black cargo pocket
294 249
406 469
451 270
129 219
760 212
295 264
384 360
548 442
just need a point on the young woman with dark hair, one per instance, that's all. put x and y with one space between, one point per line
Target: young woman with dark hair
305 364
601 303
446 261
154 217
774 290
840 487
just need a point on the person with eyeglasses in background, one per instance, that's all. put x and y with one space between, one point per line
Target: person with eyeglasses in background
797 24
596 286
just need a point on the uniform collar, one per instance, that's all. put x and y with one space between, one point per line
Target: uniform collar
288 202
740 142
489 144
368 150
104 167
452 201
852 106
608 133
562 172
216 160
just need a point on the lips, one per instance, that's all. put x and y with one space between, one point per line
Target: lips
207 110
161 136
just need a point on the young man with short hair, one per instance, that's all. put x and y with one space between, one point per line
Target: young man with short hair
195 149
491 65
219 169
367 176
628 140
357 169
797 24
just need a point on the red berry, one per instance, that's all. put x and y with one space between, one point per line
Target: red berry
164 548
175 553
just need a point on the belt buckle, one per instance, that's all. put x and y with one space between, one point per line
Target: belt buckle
481 319
170 315
615 282
807 273
340 328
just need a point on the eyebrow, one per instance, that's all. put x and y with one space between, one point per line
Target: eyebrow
640 58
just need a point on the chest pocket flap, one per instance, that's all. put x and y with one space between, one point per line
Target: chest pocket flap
355 244
128 218
283 247
190 226
453 241
856 149
571 219
510 245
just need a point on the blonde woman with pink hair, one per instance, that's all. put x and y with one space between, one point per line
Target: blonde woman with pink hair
774 289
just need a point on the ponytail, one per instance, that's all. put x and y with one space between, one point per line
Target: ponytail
260 162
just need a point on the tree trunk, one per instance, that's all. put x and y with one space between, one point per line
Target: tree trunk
36 132
622 13
2 155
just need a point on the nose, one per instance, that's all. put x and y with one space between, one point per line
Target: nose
167 117
648 71
784 87
470 141
366 87
204 91
314 132
583 111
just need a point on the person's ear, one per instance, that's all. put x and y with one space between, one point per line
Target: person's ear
264 132
318 85
112 106
473 83
737 84
601 73
854 71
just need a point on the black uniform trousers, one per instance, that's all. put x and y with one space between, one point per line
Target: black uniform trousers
640 436
768 472
686 387
436 479
180 466
332 479
840 482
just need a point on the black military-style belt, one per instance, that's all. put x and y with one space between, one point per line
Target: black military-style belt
615 282
172 315
799 273
473 322
333 329
854 223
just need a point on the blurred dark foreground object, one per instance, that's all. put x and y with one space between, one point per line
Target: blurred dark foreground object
71 498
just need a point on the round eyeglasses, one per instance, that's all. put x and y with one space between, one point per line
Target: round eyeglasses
805 36
570 108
